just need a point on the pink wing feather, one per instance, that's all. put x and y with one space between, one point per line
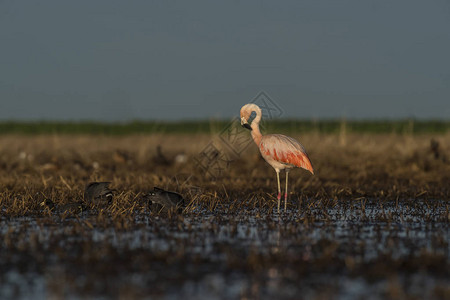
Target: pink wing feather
286 150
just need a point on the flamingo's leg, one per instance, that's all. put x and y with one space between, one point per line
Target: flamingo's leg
279 189
286 191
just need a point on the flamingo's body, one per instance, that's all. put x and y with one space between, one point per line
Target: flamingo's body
280 151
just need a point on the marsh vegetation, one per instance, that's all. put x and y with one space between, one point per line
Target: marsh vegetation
374 220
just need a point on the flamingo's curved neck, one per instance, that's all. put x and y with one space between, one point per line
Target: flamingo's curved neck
256 134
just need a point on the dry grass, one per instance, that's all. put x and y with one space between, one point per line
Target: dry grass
386 167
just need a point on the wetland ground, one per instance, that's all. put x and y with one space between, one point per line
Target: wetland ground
372 223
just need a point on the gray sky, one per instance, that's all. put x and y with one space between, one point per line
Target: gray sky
122 60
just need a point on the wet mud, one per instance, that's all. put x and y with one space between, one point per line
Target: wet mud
367 226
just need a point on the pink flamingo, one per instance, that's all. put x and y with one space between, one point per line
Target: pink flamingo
280 151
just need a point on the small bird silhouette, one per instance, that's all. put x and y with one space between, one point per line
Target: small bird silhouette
98 193
160 158
280 151
73 207
164 201
436 150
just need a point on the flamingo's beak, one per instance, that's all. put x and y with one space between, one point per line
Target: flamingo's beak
245 124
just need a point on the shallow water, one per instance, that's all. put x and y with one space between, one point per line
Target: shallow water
346 250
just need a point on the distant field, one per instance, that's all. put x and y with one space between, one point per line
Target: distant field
215 126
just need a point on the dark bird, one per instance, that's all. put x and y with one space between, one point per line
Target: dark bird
48 204
160 200
160 158
98 193
435 149
72 207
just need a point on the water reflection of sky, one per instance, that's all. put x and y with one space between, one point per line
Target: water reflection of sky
355 235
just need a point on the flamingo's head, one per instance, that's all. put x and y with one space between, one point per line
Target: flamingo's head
247 114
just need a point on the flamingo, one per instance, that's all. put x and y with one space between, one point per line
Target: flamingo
280 151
